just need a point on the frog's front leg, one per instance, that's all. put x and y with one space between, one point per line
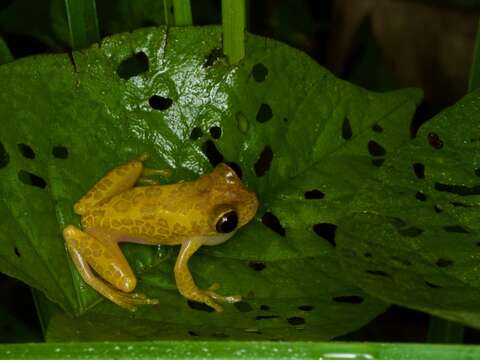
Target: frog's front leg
186 285
108 262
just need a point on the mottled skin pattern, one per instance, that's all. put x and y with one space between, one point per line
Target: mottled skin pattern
185 214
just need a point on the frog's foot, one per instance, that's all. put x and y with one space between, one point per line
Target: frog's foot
130 300
211 298
156 172
228 299
146 181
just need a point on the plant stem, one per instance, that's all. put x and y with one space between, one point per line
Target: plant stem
444 331
182 12
168 9
474 82
233 18
82 23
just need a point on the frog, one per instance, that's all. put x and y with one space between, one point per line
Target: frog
129 205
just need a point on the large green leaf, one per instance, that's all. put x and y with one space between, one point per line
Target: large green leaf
66 124
413 236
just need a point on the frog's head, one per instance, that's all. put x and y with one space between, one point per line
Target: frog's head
232 205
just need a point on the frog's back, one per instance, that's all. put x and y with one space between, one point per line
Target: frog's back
161 212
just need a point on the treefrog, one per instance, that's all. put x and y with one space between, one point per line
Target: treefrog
205 211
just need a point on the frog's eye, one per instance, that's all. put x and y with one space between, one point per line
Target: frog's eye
227 222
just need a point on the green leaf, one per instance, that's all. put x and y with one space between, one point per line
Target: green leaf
412 236
79 120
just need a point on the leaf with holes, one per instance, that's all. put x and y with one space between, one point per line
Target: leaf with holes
301 138
413 236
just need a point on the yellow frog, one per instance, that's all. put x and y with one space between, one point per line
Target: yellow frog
206 211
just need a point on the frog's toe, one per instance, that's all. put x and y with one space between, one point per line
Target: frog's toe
233 299
137 299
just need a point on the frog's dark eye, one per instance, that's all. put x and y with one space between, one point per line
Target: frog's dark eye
227 222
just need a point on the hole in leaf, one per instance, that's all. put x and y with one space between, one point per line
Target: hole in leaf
171 9
264 161
456 229
264 307
420 196
192 333
133 66
15 249
243 306
235 167
285 120
368 255
196 133
314 194
411 231
60 152
435 141
264 113
353 299
377 128
4 157
458 189
431 285
378 162
419 170
259 72
257 265
305 307
216 132
296 320
266 317
375 149
159 102
31 179
444 262
213 56
272 222
199 306
346 129
378 273
26 151
214 156
326 231
437 209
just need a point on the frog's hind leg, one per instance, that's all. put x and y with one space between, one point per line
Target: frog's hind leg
107 260
115 182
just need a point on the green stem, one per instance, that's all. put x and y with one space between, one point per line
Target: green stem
233 18
82 23
168 9
474 82
182 12
444 331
